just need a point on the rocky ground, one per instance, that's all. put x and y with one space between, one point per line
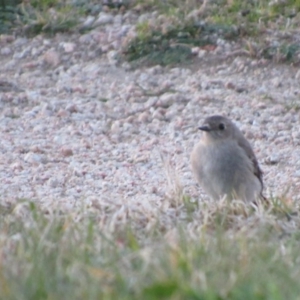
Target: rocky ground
80 127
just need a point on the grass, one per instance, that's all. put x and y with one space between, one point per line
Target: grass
249 22
172 46
181 250
179 25
43 16
225 251
48 16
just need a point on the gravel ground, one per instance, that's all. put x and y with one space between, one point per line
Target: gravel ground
79 127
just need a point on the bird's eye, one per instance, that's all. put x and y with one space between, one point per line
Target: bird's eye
221 126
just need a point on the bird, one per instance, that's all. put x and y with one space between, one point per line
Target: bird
224 163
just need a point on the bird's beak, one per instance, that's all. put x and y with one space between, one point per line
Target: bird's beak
205 127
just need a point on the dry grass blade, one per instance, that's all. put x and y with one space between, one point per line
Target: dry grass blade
175 192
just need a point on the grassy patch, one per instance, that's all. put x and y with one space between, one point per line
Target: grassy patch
8 15
153 46
34 17
48 16
226 251
253 20
177 27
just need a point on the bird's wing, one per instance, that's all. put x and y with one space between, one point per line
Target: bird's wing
244 144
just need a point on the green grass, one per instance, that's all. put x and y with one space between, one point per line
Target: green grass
152 46
179 26
248 21
48 16
225 251
43 16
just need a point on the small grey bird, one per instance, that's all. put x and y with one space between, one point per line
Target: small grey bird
224 163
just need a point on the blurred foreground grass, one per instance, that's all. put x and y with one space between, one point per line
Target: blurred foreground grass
220 251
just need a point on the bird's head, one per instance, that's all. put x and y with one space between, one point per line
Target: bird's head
218 128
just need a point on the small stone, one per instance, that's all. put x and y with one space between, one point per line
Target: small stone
66 151
143 117
72 108
272 160
85 39
118 19
22 54
36 149
40 128
240 89
195 50
6 86
140 158
113 56
47 110
21 41
78 172
53 182
127 127
86 144
17 166
47 42
88 22
130 119
296 135
178 123
34 158
277 82
69 47
63 113
170 114
116 126
5 51
249 135
261 105
104 18
277 109
31 65
52 57
157 114
230 86
5 38
202 53
166 100
155 70
106 48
